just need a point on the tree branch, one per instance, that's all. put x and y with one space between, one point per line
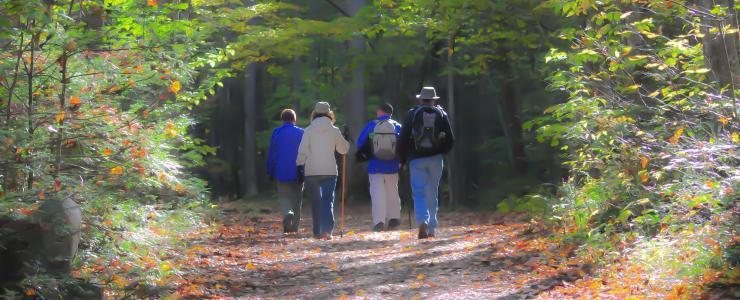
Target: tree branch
339 8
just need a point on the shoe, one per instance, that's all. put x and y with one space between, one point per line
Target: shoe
379 227
393 224
287 223
423 231
327 236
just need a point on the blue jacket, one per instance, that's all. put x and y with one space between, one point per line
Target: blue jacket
376 166
283 151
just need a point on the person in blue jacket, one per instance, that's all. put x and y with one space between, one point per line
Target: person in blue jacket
377 143
281 166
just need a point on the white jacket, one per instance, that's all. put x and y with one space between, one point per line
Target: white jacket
316 152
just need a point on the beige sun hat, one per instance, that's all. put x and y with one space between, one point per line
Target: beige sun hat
322 108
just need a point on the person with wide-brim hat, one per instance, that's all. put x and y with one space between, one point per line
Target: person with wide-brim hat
316 160
426 135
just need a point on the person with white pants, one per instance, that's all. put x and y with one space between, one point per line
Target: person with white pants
377 143
386 202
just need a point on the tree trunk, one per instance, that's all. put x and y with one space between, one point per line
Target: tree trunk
355 105
721 49
250 130
296 84
510 119
452 159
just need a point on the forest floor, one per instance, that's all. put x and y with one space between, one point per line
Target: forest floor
474 256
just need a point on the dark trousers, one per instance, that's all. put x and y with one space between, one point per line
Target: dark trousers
291 201
321 193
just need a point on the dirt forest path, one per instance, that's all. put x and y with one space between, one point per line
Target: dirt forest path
474 256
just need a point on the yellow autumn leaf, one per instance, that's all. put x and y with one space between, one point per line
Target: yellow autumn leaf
420 277
338 280
724 120
59 117
165 266
251 267
117 170
175 87
676 136
735 138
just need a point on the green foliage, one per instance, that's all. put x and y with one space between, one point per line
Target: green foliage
650 138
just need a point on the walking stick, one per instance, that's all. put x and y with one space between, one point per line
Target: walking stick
410 216
344 189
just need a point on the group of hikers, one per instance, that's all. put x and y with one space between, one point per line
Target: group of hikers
297 156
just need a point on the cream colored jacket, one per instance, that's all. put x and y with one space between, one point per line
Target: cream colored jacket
316 152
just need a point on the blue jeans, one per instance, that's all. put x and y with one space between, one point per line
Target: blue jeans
426 173
321 193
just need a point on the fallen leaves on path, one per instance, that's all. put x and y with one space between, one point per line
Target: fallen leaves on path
472 257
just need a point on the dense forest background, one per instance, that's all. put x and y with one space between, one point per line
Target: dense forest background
124 124
488 67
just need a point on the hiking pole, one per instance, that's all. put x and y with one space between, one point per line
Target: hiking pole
410 215
344 191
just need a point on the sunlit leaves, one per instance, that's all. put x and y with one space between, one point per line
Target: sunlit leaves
175 86
117 170
75 101
676 135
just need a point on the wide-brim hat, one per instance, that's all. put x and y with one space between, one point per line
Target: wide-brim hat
322 108
427 93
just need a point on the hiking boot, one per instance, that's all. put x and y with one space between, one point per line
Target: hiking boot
393 224
423 231
326 236
379 227
287 223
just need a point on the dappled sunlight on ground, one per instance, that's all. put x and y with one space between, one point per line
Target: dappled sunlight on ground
472 257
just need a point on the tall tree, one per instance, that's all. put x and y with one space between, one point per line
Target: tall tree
355 103
249 171
721 46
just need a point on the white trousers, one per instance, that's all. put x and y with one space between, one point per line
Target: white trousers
385 199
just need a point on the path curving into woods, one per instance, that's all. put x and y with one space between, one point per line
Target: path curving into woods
473 257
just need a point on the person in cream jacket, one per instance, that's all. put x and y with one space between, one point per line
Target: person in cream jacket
316 161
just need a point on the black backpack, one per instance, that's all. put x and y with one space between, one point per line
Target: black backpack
425 130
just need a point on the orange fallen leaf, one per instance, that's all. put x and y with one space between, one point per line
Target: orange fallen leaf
251 267
75 101
676 136
117 170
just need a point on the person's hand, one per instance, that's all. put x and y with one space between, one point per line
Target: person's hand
301 173
345 132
